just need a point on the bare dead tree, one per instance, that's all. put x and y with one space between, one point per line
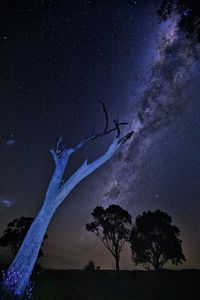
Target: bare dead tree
17 277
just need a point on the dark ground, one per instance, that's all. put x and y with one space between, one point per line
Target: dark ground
106 285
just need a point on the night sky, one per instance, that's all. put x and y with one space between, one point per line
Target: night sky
57 59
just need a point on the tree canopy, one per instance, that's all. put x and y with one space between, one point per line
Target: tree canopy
112 227
155 240
15 232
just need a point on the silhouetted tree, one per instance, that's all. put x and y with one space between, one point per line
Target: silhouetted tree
112 227
58 189
188 12
15 232
155 241
91 267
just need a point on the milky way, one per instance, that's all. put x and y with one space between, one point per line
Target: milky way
57 59
157 104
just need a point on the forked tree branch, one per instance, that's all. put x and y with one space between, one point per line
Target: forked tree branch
61 155
61 151
88 168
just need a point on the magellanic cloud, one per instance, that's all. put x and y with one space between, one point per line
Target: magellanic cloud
6 203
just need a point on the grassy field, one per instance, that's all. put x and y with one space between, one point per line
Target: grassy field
106 285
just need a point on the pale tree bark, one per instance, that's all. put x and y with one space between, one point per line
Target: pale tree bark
17 277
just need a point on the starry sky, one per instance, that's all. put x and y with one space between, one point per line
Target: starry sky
58 58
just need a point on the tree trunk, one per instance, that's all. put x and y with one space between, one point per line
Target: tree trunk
17 276
117 263
157 264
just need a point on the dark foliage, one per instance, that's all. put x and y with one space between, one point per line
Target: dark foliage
155 241
91 267
112 227
15 232
189 13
